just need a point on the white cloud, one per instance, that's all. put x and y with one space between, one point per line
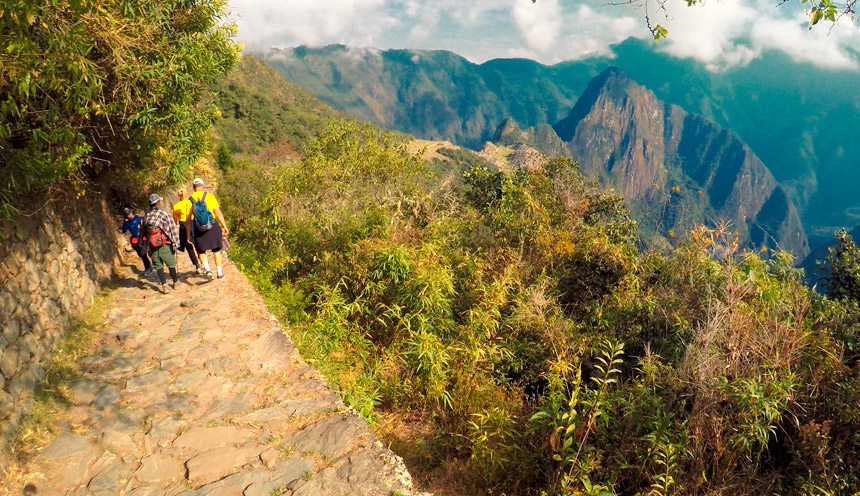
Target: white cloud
521 53
820 46
727 33
719 33
708 32
592 31
538 24
265 23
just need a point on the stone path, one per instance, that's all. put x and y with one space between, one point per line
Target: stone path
201 392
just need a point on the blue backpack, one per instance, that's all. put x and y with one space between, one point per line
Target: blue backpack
203 219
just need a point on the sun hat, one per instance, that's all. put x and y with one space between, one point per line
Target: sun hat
197 181
154 198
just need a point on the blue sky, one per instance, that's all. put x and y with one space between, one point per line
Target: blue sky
719 33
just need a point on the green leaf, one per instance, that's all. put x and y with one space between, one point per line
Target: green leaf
816 16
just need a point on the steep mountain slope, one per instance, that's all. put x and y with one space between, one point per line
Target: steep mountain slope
263 114
675 168
800 120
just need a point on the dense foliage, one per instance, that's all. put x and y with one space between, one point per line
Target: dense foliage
87 85
509 337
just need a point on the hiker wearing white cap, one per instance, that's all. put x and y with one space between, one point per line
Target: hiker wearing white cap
205 219
163 235
180 214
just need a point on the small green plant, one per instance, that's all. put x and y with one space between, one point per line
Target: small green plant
492 433
571 426
666 457
286 451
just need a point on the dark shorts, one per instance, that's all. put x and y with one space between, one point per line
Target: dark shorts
207 240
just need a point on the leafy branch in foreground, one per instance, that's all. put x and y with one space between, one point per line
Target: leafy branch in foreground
94 85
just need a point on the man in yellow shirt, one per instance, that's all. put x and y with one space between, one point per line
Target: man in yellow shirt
180 214
206 231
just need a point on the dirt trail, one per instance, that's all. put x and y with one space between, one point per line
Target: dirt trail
201 392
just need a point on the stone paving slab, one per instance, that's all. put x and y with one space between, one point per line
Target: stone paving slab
200 392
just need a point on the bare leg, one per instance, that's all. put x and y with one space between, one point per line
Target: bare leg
218 262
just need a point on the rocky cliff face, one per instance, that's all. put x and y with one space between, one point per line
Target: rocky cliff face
542 137
675 169
616 133
656 154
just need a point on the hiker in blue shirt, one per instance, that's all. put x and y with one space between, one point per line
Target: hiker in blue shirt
131 225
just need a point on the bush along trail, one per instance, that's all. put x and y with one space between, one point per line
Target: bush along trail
200 392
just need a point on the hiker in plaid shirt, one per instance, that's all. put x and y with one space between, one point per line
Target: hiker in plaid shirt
163 234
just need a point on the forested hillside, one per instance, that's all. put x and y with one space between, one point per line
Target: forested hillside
264 115
503 333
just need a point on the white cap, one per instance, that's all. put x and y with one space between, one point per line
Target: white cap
197 181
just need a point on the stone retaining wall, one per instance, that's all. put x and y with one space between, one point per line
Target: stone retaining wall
51 265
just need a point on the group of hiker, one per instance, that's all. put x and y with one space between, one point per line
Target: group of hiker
196 226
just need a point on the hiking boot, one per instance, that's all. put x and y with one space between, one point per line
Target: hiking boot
201 270
173 285
221 277
209 275
164 288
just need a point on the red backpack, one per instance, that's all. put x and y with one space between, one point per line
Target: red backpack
157 238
